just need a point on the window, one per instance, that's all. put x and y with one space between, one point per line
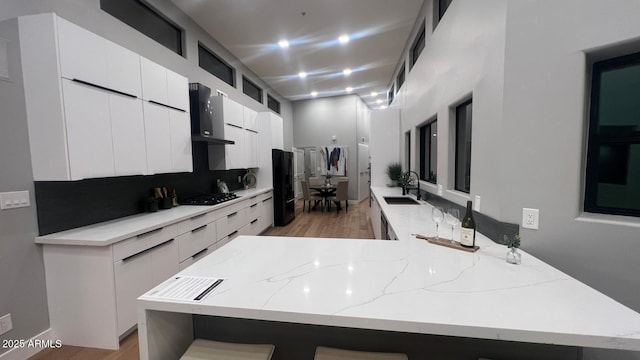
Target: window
390 95
613 148
141 17
273 104
443 5
215 66
252 90
429 152
463 146
400 78
418 45
407 150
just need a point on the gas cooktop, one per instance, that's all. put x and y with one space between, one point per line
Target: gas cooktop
207 199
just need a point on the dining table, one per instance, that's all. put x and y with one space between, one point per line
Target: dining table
325 191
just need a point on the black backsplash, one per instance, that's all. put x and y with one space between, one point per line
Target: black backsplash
64 205
488 226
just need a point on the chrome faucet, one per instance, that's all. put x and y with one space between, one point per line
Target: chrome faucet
408 175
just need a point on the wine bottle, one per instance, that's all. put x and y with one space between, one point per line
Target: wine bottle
468 228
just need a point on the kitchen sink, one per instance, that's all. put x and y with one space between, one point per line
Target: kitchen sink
400 200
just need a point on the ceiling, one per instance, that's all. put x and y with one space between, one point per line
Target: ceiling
251 30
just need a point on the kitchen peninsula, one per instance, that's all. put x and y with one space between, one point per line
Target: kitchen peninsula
404 296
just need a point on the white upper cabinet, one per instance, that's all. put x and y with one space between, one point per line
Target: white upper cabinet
250 119
83 54
127 130
88 131
277 132
123 70
85 114
164 86
154 81
227 111
251 149
181 158
178 91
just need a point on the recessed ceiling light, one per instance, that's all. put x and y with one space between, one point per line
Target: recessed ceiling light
349 89
283 43
302 74
374 94
314 93
346 72
379 101
344 38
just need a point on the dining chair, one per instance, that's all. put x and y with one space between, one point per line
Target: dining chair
342 194
315 180
308 196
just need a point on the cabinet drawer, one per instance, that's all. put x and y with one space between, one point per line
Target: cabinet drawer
225 240
196 257
186 226
252 228
144 241
231 223
254 208
225 211
196 240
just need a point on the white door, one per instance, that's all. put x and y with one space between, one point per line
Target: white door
363 171
298 171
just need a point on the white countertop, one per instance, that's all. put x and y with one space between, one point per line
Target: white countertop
407 285
112 231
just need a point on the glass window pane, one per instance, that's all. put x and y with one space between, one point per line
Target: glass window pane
463 147
613 159
215 66
252 90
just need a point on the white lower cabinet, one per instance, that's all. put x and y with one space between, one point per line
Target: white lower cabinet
375 213
133 278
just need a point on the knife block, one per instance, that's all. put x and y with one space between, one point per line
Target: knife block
164 203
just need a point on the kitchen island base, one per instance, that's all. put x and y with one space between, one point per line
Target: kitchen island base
174 332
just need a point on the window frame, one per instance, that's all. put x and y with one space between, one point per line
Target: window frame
420 38
400 78
151 11
245 81
270 100
446 7
456 154
202 48
391 95
593 140
425 167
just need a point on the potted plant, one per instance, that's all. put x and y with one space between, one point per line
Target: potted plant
513 243
394 172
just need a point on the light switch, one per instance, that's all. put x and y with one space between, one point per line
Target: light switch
15 199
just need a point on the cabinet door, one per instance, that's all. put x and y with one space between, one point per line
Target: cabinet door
165 262
127 127
123 70
132 278
234 154
154 81
83 54
178 90
232 112
251 149
88 124
375 218
250 119
157 131
277 132
181 159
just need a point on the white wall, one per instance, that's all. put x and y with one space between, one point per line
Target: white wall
317 120
546 105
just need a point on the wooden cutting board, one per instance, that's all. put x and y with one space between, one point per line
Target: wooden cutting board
448 243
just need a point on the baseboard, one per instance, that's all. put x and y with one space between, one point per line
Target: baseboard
25 352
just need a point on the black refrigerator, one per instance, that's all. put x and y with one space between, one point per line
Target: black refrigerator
284 201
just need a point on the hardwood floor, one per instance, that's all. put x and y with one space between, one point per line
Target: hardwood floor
352 224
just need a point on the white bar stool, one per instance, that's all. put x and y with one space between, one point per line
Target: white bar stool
327 353
207 349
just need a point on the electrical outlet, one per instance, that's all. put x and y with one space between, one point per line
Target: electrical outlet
439 190
5 324
239 178
476 203
530 218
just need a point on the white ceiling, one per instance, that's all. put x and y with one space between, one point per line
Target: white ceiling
251 29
